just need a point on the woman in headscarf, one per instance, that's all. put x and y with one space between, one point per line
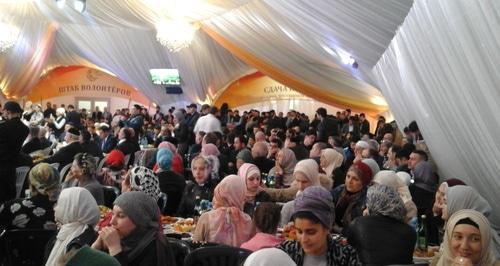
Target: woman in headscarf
244 156
382 237
330 161
135 236
171 183
208 149
349 199
283 171
467 241
464 197
254 192
391 179
142 179
77 214
226 223
177 161
269 257
200 188
82 174
37 210
306 174
313 219
111 174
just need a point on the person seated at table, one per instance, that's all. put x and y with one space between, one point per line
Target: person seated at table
135 236
33 143
77 213
266 218
283 169
142 179
349 199
382 237
464 197
66 154
243 156
171 183
313 219
177 161
254 193
88 256
467 241
331 162
82 174
391 179
226 223
306 174
88 145
269 257
113 169
201 188
36 211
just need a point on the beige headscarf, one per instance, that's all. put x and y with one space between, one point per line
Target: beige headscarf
309 168
44 180
487 257
333 160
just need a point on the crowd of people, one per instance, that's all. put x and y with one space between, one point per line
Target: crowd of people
352 194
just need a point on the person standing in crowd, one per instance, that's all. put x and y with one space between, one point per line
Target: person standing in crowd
180 131
326 127
37 116
313 219
106 115
97 114
136 120
73 117
49 111
28 112
364 125
58 122
425 181
208 123
12 135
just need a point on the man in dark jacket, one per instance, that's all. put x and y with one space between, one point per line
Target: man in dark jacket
12 135
364 125
34 143
73 117
66 154
107 140
327 127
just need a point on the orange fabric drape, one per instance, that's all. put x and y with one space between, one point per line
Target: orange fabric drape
30 75
320 94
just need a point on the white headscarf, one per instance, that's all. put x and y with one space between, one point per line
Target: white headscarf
391 179
333 160
269 257
487 257
76 208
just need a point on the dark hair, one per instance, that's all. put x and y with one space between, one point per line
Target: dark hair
409 146
242 139
278 142
211 137
403 153
321 111
468 221
311 132
413 127
422 154
307 215
85 136
34 131
396 149
267 217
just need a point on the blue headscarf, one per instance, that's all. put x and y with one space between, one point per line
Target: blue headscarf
164 159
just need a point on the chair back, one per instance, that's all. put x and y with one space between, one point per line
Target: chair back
25 246
126 160
101 165
162 202
97 160
139 158
55 165
21 173
217 256
180 248
110 194
64 171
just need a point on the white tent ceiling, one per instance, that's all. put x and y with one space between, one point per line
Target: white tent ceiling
299 38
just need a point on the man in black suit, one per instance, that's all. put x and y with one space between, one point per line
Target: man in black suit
12 135
364 125
66 154
34 143
327 127
127 144
107 140
73 117
181 131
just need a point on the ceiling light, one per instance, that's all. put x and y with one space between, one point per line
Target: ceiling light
60 3
8 36
80 5
175 34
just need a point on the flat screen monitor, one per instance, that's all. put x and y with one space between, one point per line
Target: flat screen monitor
165 76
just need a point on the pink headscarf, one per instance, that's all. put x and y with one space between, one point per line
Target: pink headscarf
289 162
246 171
228 223
168 145
209 149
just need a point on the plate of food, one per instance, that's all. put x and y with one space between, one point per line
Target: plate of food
421 256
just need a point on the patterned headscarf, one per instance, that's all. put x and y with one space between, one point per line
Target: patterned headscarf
145 180
86 162
383 200
487 256
45 180
391 179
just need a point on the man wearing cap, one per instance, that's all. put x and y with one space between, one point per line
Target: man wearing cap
67 153
107 140
12 135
